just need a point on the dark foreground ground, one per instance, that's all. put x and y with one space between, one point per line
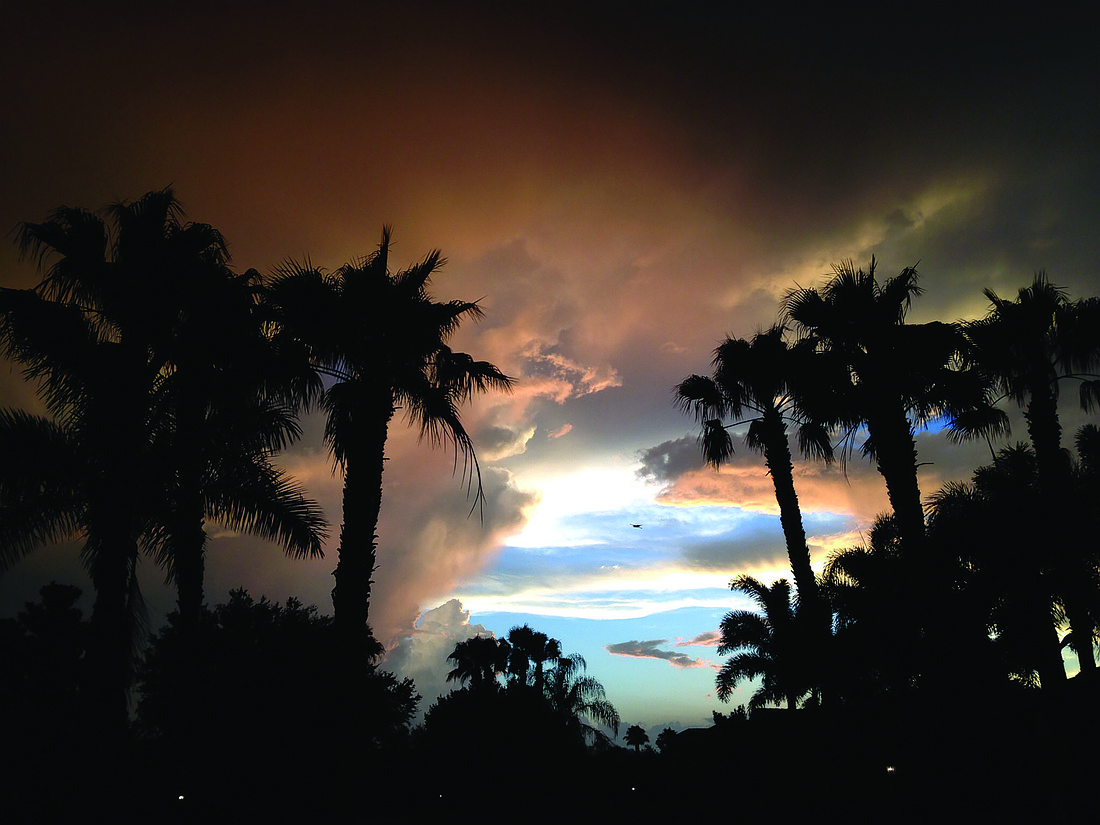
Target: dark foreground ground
1015 760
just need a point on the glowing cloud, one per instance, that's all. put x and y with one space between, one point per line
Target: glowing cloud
565 377
422 654
709 639
565 429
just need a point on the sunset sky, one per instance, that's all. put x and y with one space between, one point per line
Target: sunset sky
621 188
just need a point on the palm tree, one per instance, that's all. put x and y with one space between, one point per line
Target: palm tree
1029 346
381 340
635 737
904 620
42 494
771 644
478 661
899 375
531 647
1083 552
99 392
574 696
105 335
775 383
993 525
666 740
233 407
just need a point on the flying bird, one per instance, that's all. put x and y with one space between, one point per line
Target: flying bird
636 525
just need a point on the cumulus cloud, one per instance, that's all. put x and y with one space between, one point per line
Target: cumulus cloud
422 654
429 540
495 442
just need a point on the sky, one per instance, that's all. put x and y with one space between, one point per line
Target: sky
621 186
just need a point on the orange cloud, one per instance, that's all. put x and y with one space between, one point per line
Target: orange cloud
858 493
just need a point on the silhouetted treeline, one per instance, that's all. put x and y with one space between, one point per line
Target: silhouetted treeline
944 655
171 382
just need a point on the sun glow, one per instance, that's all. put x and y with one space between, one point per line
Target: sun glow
561 497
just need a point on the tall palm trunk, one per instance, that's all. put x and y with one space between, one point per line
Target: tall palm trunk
813 613
1045 431
777 458
188 533
895 449
109 650
896 455
364 463
114 429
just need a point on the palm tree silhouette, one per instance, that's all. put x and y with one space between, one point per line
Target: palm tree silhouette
576 696
876 592
479 660
232 403
1029 346
771 644
105 335
898 375
382 340
777 382
635 737
87 347
531 647
996 525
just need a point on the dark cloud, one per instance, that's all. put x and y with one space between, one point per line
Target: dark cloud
651 650
752 546
669 460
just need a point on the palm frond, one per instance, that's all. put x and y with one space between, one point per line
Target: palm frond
255 497
701 396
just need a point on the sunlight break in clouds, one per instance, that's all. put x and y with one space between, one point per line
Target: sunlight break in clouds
613 593
592 490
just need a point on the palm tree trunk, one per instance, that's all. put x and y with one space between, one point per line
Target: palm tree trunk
777 457
110 637
815 618
896 454
1082 628
1045 432
114 429
188 534
365 457
1051 668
